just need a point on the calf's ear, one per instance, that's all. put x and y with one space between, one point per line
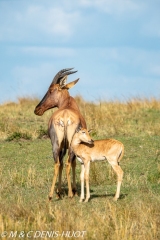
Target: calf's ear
90 130
78 129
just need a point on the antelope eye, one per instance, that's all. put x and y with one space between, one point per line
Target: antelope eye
83 132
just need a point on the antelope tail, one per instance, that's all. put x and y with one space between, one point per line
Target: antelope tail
121 154
65 122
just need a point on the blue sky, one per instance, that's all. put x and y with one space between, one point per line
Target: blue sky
114 45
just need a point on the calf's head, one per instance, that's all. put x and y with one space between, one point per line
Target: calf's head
83 135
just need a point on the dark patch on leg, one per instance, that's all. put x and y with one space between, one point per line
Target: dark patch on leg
49 198
71 155
74 188
62 154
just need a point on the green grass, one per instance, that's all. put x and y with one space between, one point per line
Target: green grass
26 171
26 176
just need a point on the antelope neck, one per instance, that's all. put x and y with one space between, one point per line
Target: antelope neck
67 102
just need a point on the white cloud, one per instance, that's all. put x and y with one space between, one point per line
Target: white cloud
32 80
151 26
52 20
112 6
47 51
154 69
37 22
108 41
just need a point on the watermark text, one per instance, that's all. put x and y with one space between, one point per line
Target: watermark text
42 234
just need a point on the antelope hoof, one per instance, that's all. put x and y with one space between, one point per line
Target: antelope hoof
81 200
58 195
49 198
74 191
86 200
70 195
76 194
115 199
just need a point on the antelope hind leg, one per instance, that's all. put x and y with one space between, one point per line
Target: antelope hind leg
74 188
68 168
56 171
119 173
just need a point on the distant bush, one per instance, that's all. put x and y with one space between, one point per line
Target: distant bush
18 136
42 132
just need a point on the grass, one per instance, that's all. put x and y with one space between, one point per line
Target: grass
26 171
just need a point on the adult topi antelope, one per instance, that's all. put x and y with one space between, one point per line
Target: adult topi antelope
88 151
62 125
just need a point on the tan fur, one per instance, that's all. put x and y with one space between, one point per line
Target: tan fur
88 151
65 121
62 120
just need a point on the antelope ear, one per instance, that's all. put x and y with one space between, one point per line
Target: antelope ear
70 85
63 82
90 130
78 129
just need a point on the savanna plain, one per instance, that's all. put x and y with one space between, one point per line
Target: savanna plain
26 171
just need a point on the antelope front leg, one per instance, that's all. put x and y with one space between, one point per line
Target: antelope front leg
60 178
87 168
82 182
56 171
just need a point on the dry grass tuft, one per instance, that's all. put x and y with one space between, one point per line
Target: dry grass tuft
131 118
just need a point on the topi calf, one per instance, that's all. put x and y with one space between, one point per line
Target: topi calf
88 151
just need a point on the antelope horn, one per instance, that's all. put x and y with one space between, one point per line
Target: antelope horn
61 74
